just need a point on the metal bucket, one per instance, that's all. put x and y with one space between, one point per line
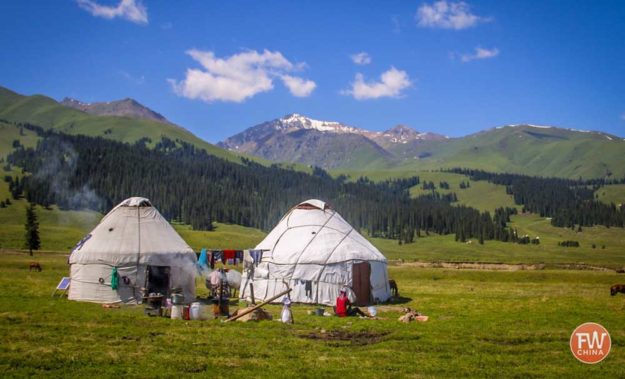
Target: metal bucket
177 299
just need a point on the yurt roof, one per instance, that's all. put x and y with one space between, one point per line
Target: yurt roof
133 230
313 233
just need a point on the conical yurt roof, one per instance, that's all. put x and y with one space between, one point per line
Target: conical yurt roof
132 232
314 233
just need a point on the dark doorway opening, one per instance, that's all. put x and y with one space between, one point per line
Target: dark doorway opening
157 280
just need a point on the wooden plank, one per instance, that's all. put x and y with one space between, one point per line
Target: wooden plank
250 310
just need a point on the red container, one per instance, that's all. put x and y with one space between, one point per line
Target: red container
185 312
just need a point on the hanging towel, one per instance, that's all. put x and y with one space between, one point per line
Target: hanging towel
257 256
248 263
114 279
217 256
202 262
238 257
211 259
230 254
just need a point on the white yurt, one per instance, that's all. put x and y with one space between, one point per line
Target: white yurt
132 248
316 253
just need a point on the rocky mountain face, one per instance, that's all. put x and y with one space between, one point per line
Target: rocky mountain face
328 144
124 108
526 149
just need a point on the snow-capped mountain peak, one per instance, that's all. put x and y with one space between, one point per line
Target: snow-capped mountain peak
297 121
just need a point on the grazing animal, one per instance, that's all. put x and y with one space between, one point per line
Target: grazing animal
617 288
34 266
394 290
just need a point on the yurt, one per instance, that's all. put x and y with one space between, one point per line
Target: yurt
316 253
132 252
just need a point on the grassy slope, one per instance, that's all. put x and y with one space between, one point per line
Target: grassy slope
46 112
482 324
446 249
481 195
612 194
525 150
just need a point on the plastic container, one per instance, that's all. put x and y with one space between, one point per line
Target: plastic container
176 312
185 312
195 311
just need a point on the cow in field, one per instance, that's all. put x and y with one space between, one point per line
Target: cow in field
617 288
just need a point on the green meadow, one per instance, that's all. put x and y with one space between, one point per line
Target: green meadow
481 324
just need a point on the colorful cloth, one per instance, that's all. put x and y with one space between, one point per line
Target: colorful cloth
202 262
114 279
257 256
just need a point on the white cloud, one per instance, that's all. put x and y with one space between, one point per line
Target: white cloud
480 53
447 15
391 84
131 10
297 86
239 77
361 58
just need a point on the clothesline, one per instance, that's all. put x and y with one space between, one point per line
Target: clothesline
208 257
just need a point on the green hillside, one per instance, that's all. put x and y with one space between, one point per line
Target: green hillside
614 193
46 112
481 194
525 150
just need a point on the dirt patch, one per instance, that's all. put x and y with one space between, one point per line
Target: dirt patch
346 338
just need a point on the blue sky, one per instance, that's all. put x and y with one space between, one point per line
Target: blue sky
218 67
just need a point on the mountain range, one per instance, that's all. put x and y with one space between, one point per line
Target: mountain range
526 149
294 138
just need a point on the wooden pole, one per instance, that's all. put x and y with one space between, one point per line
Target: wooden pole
252 293
250 310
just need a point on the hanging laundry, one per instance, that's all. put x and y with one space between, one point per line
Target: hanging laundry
257 256
114 279
202 262
211 260
308 287
238 257
248 263
230 254
218 255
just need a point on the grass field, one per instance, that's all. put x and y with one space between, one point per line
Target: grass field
482 324
612 194
609 250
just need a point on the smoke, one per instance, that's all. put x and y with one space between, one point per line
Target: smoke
58 170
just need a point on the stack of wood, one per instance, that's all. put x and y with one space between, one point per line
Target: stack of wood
412 315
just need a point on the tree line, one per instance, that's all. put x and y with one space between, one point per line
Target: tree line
191 186
568 202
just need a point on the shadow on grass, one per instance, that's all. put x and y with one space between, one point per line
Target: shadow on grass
399 300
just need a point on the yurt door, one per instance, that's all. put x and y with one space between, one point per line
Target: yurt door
361 282
157 279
